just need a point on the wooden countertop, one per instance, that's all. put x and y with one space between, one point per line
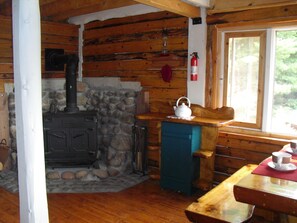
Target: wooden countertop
194 121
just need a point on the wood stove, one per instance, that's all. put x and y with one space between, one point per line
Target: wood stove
70 139
70 136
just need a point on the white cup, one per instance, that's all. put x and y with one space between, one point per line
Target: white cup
281 159
293 145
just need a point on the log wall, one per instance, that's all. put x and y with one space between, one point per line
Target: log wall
131 47
53 35
236 150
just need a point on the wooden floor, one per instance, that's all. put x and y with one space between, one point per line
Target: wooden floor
144 203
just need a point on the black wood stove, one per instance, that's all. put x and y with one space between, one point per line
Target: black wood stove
70 136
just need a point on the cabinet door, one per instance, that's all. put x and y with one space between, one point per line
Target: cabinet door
176 156
178 167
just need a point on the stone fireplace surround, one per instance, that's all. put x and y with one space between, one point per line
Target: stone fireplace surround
115 103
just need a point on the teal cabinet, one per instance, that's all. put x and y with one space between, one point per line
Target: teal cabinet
178 167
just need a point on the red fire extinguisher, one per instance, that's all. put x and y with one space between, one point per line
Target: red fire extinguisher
194 66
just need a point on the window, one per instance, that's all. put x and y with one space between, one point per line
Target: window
259 79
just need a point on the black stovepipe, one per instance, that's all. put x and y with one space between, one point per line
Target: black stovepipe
71 62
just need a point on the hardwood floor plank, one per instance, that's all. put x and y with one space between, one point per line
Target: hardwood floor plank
9 210
143 203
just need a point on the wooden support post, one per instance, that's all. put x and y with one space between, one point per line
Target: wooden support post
27 78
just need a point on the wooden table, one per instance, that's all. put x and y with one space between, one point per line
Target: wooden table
219 205
268 192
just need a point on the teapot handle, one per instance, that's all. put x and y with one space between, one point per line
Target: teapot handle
188 100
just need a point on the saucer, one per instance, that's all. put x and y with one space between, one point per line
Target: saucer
286 167
289 150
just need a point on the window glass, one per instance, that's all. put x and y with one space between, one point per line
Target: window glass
243 77
284 106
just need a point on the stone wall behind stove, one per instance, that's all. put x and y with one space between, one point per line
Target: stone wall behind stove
115 105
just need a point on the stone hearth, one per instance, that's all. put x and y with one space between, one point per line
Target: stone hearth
115 104
9 181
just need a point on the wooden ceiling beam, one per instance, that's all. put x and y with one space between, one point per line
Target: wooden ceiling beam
175 6
62 10
222 6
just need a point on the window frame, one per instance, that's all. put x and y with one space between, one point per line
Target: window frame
218 73
261 72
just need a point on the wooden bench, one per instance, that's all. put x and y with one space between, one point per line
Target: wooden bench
219 204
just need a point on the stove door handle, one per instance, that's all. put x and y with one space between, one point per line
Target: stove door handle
78 135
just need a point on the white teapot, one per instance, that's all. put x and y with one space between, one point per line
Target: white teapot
183 111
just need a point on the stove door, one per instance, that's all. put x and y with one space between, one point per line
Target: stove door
70 140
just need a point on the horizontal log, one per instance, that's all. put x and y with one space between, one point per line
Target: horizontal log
250 156
71 40
179 56
116 65
5 25
248 145
140 28
159 105
235 5
254 15
156 80
157 34
59 29
6 60
229 162
6 68
6 53
255 138
148 66
153 155
131 19
136 46
167 94
5 43
6 35
146 78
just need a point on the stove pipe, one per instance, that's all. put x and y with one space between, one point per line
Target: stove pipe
71 62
